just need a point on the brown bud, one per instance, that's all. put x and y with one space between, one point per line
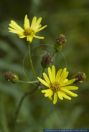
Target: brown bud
80 77
10 76
61 39
46 60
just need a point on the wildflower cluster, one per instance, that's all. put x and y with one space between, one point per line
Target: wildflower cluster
56 83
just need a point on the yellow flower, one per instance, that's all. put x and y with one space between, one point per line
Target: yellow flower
58 85
29 30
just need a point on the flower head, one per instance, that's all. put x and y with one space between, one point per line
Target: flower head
10 76
58 85
80 77
29 30
46 60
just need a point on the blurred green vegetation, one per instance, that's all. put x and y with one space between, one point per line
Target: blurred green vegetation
70 17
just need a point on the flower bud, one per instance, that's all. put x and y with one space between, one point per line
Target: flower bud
60 41
46 60
10 76
80 77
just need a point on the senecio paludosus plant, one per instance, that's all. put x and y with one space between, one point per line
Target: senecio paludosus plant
56 84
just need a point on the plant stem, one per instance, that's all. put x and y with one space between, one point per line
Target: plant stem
27 82
19 107
31 63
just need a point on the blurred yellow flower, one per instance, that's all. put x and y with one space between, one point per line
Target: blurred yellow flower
29 30
58 85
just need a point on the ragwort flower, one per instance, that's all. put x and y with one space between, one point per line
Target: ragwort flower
58 85
29 30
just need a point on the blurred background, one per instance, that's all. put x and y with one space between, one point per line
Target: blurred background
69 17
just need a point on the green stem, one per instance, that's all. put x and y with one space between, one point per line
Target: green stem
63 57
31 63
19 107
43 69
27 82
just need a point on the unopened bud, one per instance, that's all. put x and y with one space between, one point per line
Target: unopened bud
80 77
60 41
10 76
46 60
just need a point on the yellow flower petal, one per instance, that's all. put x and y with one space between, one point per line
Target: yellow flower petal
47 93
64 75
37 25
43 82
26 22
44 91
13 30
55 98
60 95
15 26
58 75
33 22
39 20
70 93
50 73
29 38
68 82
70 87
46 78
42 28
22 36
65 96
53 73
38 37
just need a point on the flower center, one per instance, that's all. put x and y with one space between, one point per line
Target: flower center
28 32
55 86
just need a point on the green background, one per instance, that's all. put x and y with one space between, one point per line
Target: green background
70 17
